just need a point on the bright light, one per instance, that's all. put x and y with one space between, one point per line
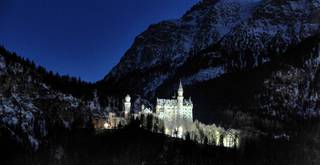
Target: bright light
106 125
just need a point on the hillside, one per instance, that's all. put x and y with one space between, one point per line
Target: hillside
34 102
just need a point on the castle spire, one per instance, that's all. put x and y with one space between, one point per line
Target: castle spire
180 86
180 90
180 97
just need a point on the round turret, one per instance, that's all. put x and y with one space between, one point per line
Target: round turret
128 98
127 106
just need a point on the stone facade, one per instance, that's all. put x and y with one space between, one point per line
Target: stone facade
177 117
175 113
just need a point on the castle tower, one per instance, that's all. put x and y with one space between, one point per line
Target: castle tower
127 106
180 96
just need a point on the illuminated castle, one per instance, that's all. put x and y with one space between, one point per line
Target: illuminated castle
175 113
177 117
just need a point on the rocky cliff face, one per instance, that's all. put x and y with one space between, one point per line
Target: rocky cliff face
294 88
271 29
213 38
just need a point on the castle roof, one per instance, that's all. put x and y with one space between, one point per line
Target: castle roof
167 101
172 102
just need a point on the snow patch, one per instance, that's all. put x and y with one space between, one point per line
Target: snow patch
28 116
10 120
74 102
2 63
205 74
155 83
282 137
34 142
7 109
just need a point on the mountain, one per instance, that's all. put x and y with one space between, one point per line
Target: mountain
252 65
35 103
52 112
284 90
216 37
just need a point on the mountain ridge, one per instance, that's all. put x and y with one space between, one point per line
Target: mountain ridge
157 52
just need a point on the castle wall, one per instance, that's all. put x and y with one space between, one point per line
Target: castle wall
174 116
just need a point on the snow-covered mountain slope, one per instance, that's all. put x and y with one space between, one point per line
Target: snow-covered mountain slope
229 35
294 89
30 108
284 89
271 29
170 42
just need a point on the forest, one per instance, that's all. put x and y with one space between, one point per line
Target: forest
134 145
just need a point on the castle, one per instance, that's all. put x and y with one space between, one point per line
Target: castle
177 117
175 113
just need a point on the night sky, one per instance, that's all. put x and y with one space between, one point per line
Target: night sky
82 38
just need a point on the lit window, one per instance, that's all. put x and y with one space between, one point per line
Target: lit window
106 125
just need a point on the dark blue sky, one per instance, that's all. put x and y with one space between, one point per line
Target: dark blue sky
83 38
